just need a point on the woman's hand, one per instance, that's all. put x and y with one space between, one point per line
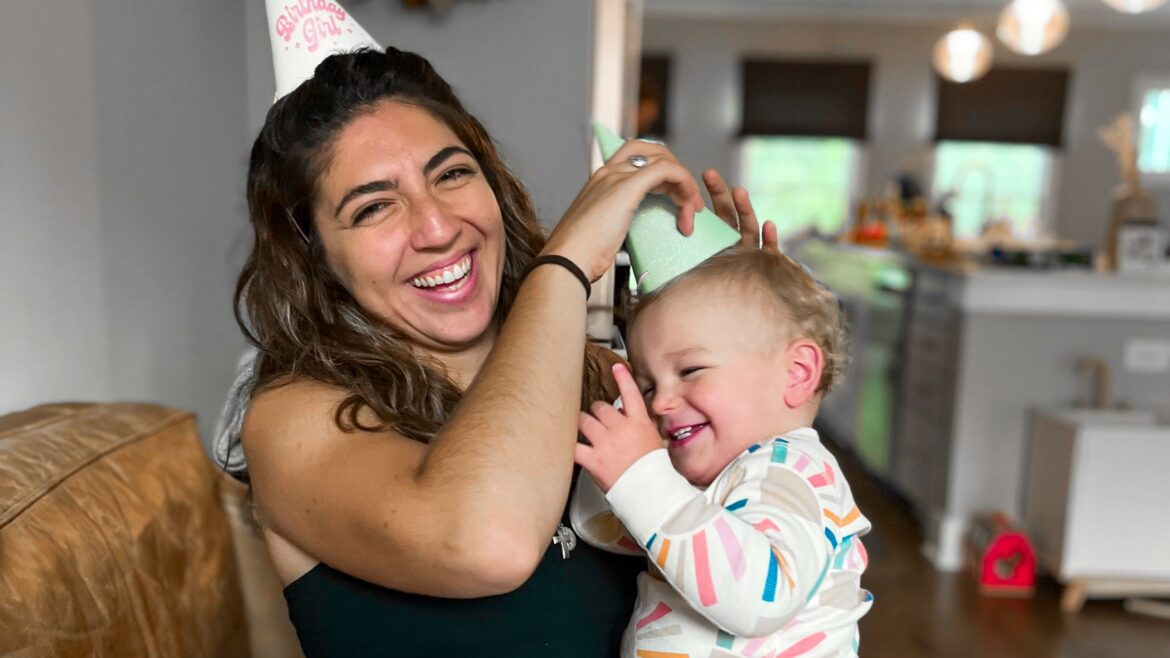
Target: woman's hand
593 228
734 207
617 439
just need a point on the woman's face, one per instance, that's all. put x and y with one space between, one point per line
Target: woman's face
411 227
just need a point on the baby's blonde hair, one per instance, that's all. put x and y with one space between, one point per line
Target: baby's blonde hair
805 307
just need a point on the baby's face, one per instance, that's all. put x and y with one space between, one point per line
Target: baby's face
712 368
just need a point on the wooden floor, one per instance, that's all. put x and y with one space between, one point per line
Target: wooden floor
921 613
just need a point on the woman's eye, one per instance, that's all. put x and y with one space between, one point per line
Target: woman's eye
370 211
456 174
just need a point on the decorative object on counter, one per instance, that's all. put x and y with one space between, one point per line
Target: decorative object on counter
938 238
963 54
1062 256
1135 240
895 220
1141 247
1000 557
930 236
1033 27
1135 6
658 252
870 226
996 231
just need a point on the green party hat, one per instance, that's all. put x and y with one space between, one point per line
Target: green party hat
658 252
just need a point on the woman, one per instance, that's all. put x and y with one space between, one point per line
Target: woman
410 436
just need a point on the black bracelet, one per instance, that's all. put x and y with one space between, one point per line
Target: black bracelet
553 259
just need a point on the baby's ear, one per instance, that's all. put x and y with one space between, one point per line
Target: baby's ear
804 362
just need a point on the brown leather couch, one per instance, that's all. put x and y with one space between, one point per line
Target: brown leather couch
119 538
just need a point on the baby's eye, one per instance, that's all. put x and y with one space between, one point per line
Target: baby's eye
685 372
647 391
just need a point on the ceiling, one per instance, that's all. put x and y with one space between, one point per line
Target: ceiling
1082 12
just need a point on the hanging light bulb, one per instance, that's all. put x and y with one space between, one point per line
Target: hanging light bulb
1033 27
1135 6
962 55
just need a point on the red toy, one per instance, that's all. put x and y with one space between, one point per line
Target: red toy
1002 557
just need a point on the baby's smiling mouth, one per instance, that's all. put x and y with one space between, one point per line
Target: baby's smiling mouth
683 434
452 274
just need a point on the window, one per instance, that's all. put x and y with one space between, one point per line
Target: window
996 141
985 181
801 183
1152 99
801 132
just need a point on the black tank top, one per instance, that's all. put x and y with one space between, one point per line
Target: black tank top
577 607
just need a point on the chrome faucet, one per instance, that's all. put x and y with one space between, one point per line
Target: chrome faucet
987 203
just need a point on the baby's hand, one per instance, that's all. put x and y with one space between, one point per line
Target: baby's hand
617 439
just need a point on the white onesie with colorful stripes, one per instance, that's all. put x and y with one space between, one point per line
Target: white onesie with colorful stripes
765 563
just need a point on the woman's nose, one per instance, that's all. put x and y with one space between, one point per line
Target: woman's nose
434 225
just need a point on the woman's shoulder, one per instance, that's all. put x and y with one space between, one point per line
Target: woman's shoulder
296 409
291 401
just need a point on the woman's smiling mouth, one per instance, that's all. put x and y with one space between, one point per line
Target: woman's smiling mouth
445 279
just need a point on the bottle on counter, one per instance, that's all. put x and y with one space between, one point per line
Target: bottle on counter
1136 241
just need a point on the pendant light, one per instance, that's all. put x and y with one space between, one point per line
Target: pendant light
963 54
1033 27
1135 6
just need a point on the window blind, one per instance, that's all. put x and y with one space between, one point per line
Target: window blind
815 98
1013 105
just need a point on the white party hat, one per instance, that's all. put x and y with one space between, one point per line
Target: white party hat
305 32
658 252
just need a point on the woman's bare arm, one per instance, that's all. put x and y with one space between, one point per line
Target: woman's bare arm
468 516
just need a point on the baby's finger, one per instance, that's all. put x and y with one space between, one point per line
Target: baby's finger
607 415
591 428
631 396
771 239
722 203
583 455
749 226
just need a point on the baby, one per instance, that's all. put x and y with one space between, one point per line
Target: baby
745 516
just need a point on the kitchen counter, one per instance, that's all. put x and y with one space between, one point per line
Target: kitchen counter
1004 290
976 350
1083 293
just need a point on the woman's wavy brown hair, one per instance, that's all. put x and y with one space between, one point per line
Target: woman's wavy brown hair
292 306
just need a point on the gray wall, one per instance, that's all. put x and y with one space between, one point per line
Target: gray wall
522 67
122 154
171 158
53 330
705 96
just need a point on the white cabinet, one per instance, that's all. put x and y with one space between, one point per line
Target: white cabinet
1095 498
